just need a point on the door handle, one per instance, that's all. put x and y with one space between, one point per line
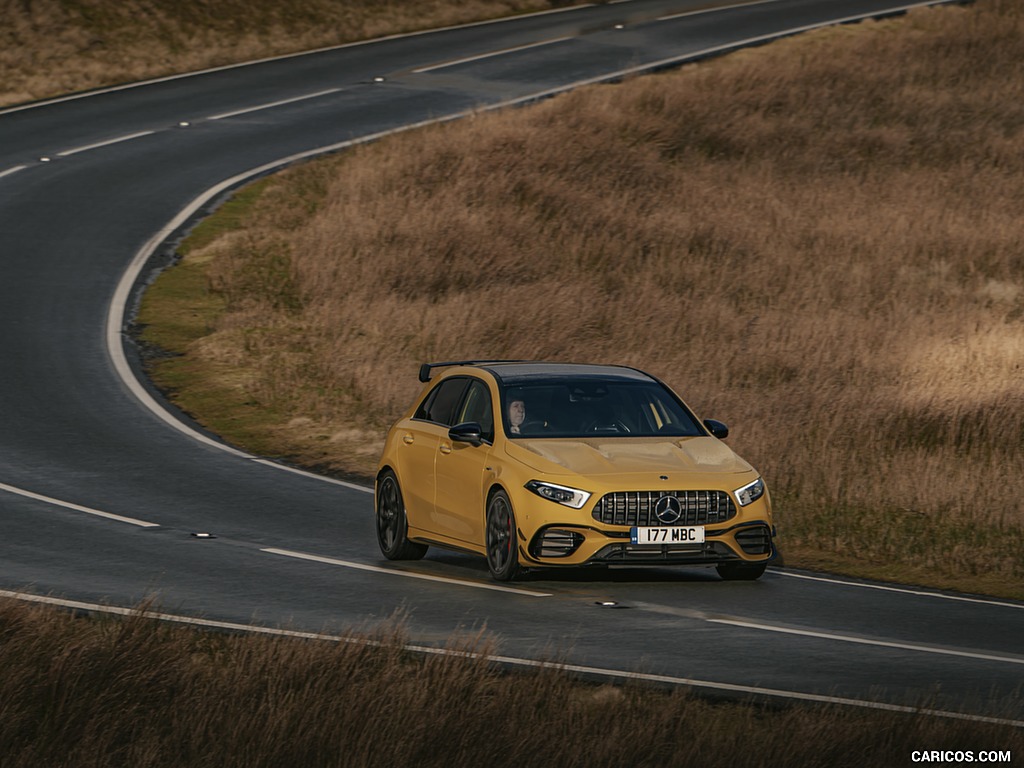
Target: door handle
446 448
408 439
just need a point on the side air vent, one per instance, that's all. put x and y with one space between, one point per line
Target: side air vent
755 541
555 542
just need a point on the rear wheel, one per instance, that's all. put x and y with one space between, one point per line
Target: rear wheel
741 571
392 527
502 539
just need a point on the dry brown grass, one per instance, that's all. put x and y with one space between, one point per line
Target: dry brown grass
50 47
818 241
82 692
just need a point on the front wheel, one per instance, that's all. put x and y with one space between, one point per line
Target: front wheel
392 527
733 571
502 539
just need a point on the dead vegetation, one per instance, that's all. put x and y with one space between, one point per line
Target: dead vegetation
135 692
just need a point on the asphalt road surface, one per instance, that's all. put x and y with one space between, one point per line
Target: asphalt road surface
103 486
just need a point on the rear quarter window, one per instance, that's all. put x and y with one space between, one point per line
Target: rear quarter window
440 403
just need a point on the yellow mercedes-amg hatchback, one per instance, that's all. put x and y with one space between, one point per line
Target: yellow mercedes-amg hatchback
546 464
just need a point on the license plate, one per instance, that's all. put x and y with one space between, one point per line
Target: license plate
676 534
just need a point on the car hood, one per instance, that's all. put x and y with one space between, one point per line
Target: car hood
601 456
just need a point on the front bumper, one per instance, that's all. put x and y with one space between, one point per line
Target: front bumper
569 545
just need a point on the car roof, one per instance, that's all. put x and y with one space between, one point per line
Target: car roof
522 372
514 373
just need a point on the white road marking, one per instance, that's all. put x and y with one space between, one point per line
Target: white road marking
15 169
903 590
490 55
613 674
107 143
866 641
273 104
118 304
407 574
313 476
703 11
76 507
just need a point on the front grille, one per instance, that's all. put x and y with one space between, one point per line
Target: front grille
637 507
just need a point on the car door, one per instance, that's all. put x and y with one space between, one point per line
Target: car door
462 472
420 439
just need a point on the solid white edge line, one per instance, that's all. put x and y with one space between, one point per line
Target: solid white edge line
772 36
122 293
107 143
490 55
313 475
76 507
273 104
714 9
408 574
902 590
512 661
119 301
15 169
866 641
283 57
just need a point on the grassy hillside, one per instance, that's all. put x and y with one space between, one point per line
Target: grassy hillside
817 241
50 47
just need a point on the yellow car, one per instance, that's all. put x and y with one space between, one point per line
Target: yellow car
546 464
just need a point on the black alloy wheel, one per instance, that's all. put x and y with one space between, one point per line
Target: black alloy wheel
502 539
392 528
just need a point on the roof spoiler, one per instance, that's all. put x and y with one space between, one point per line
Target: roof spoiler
426 368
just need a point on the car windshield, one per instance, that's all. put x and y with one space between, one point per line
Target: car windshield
588 407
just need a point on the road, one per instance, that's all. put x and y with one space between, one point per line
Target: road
104 487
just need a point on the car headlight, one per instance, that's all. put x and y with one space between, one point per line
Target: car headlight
570 497
750 493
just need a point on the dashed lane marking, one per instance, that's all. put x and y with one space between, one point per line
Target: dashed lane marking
273 104
76 507
407 574
107 143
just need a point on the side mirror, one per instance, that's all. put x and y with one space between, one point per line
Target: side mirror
716 428
467 432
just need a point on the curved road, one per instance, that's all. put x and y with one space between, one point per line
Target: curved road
102 487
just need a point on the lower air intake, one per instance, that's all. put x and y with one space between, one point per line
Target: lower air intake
755 541
555 542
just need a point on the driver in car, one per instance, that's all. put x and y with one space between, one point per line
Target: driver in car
516 415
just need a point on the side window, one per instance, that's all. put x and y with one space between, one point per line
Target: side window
477 407
439 405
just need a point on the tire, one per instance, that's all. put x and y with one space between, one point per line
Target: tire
390 521
733 571
502 538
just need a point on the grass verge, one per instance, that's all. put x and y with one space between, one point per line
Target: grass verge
117 692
